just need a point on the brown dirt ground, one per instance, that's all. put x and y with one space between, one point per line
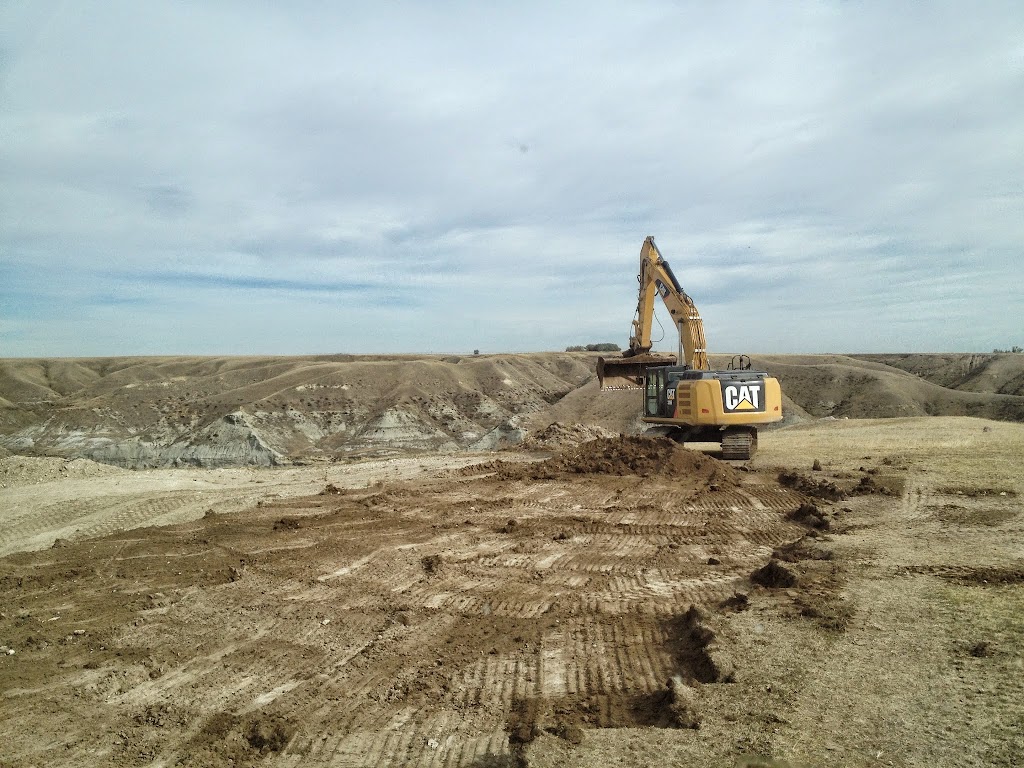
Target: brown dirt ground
415 612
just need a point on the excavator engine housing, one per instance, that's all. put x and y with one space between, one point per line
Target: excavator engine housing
676 394
711 406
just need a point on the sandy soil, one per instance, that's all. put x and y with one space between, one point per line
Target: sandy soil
461 611
47 498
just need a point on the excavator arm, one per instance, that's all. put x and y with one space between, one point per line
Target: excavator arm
656 279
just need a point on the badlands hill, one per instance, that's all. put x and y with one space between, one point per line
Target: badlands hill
223 411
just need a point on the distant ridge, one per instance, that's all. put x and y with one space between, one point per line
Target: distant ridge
226 411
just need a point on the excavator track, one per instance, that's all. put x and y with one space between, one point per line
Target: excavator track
739 444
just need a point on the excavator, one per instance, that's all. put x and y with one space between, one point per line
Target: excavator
688 401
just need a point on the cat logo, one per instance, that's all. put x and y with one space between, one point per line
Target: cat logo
746 396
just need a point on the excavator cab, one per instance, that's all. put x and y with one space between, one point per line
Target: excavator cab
660 389
654 392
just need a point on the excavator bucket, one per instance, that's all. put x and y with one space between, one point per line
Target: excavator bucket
628 372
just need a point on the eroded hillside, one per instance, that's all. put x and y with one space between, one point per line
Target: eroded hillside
230 411
264 411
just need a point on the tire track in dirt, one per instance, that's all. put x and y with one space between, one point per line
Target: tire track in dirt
403 625
597 660
101 516
916 497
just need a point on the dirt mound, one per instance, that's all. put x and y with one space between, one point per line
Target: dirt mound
773 575
25 470
228 739
627 455
557 436
614 410
808 514
698 654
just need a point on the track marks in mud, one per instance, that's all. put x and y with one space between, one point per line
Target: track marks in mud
333 622
659 688
101 516
969 575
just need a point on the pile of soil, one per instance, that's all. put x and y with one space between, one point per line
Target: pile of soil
24 470
818 489
774 575
227 739
558 436
627 455
808 514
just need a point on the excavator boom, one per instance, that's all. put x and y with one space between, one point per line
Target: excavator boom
656 279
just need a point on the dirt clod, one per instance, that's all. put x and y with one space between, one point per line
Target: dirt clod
982 649
698 655
685 703
568 729
810 515
269 733
432 564
802 549
819 489
868 485
774 575
522 724
738 601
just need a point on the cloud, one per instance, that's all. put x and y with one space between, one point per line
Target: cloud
449 176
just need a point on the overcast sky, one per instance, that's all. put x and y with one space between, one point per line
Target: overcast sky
254 177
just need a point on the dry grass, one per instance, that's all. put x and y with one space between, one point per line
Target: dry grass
969 452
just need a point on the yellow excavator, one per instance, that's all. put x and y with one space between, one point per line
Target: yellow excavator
689 402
